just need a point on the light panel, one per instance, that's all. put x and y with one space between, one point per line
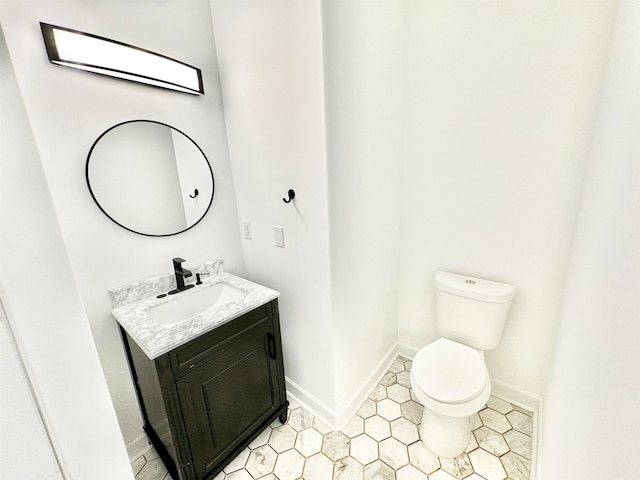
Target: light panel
91 53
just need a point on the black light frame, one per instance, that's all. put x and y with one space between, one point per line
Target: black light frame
55 58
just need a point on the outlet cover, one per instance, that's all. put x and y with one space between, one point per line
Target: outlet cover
278 233
246 230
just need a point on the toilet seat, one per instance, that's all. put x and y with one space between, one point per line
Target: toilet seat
450 372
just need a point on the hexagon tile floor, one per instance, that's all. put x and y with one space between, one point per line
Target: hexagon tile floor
379 443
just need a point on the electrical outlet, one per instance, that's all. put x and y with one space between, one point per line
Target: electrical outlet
246 230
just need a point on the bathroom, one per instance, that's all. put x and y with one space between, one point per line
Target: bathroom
493 138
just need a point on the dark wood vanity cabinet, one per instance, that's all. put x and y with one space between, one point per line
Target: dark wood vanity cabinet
205 401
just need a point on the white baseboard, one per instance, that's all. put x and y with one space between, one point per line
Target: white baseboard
407 351
358 398
310 402
337 420
515 395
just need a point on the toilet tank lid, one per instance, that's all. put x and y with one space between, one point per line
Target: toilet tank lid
474 287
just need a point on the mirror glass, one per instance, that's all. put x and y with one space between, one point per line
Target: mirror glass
150 178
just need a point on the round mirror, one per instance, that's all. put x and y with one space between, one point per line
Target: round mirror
150 178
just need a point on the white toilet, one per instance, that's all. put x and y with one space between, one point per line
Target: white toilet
449 376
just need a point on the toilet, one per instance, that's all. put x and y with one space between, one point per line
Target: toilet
449 376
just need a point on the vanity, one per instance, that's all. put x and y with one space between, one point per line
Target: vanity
207 366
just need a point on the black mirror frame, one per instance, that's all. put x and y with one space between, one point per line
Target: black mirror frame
86 172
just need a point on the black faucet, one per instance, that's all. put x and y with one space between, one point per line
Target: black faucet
181 274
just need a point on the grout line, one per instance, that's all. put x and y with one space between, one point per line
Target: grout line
462 463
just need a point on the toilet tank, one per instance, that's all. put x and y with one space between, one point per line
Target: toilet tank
471 310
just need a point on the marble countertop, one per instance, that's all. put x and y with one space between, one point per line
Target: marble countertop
133 301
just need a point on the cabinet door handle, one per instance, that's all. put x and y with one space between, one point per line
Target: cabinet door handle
271 345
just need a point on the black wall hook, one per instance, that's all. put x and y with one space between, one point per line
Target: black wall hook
195 194
291 194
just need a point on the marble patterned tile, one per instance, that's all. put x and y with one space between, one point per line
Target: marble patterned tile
487 465
368 409
377 427
379 470
404 430
309 442
364 449
403 379
393 453
518 468
336 445
499 405
459 467
239 475
494 420
137 464
398 393
521 422
261 439
397 365
491 441
282 438
441 475
348 468
152 470
412 410
289 465
317 467
355 427
371 447
261 461
388 379
389 409
379 393
520 409
409 472
300 419
421 457
519 443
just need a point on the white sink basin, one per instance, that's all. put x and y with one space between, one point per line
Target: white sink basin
188 304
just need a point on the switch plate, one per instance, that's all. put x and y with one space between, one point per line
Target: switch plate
246 230
278 233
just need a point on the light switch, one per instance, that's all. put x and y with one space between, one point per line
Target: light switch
278 233
246 230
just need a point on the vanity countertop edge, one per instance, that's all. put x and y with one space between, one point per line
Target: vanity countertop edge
155 340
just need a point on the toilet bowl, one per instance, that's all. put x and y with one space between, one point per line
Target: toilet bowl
452 382
449 376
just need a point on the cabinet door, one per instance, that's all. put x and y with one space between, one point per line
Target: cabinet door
230 394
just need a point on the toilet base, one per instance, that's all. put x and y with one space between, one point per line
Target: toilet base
443 435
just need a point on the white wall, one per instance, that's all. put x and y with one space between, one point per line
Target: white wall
45 311
68 110
591 427
364 75
270 56
500 105
25 449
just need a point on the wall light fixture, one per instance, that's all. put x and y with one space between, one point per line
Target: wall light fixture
91 53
